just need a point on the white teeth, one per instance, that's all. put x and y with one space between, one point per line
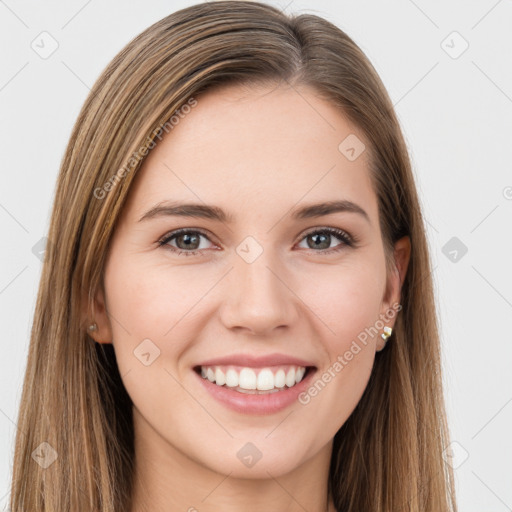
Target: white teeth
290 377
247 379
253 380
280 379
299 374
220 378
265 380
231 378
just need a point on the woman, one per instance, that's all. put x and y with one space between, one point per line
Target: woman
236 309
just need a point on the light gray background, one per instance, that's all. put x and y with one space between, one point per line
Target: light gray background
456 114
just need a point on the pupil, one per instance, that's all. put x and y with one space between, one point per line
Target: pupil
188 239
325 238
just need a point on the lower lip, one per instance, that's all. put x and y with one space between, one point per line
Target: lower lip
268 403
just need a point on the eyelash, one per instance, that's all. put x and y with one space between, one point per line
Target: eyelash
347 240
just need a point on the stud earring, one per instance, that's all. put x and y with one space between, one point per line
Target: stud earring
93 327
387 333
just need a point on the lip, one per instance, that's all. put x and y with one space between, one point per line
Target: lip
266 404
253 361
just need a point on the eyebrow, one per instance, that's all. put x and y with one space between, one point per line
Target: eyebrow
211 212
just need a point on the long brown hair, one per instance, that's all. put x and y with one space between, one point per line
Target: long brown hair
388 456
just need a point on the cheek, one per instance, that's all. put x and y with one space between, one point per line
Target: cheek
149 300
150 315
147 307
347 298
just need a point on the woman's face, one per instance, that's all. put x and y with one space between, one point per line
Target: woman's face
250 277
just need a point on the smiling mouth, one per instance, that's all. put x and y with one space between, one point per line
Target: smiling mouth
251 380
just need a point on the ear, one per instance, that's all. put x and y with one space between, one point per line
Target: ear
401 257
99 316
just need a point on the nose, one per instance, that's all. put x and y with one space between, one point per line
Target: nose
259 298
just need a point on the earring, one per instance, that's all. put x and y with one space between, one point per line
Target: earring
93 327
387 333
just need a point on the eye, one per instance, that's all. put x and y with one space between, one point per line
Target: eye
188 241
185 239
322 239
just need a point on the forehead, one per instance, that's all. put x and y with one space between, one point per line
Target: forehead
257 150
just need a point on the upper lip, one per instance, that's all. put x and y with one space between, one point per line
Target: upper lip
256 361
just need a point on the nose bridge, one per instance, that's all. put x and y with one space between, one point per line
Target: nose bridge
259 299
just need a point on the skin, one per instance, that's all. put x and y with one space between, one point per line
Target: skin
258 153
